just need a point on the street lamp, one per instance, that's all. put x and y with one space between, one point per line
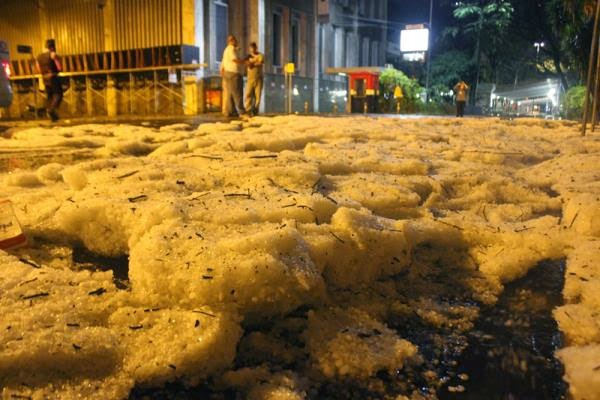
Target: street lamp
538 46
429 52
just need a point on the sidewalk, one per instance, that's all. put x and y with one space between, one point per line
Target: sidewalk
162 120
149 120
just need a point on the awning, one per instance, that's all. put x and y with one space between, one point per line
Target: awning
354 70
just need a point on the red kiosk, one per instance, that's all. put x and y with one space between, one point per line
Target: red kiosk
363 87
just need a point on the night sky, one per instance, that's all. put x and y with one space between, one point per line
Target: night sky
417 11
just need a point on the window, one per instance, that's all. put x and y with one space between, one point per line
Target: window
295 42
276 40
362 4
222 27
375 53
364 54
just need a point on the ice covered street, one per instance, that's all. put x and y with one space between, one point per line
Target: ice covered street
290 257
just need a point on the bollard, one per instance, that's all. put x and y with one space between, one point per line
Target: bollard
111 97
89 97
366 108
190 95
201 96
306 107
72 101
335 108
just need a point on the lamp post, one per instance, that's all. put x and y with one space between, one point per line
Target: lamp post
429 52
538 46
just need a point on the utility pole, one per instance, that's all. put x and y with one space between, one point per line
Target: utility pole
591 76
538 46
429 52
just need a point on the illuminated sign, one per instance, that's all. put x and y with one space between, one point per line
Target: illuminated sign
414 40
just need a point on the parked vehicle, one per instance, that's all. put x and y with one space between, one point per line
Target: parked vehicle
6 93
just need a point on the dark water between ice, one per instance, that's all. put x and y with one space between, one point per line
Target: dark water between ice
510 354
93 262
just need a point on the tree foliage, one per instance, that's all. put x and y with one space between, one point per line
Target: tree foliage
573 102
492 41
573 22
411 90
450 67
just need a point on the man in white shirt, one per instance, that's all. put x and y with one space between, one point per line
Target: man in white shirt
233 81
254 85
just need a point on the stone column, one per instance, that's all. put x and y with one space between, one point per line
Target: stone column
200 29
316 53
340 48
256 20
212 43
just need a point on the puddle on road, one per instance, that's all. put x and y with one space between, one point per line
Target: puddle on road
510 353
84 259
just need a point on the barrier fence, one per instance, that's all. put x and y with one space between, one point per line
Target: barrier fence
171 90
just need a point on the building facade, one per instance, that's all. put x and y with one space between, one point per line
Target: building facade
352 33
284 31
104 39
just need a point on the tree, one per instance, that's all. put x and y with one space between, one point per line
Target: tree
483 21
540 21
411 90
450 67
573 102
574 23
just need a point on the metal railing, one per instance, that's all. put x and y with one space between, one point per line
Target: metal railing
140 91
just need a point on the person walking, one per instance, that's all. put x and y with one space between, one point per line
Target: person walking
254 85
461 90
233 80
49 67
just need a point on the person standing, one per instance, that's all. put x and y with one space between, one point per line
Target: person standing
254 85
233 80
461 91
49 66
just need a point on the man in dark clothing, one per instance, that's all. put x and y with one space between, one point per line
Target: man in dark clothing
49 66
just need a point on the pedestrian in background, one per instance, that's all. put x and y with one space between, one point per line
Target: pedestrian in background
254 86
461 91
233 80
49 67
